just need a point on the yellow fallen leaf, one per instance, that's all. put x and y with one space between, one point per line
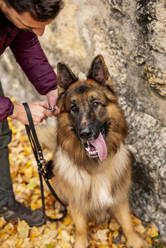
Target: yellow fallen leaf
123 239
29 162
13 99
51 245
114 246
47 230
105 226
28 172
34 232
39 203
135 220
32 184
3 236
152 231
115 234
60 231
10 157
13 174
121 246
23 229
14 130
19 243
140 229
2 222
67 221
33 205
27 151
110 239
9 228
149 240
36 204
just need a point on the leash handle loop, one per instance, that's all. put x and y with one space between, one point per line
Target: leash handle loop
44 168
31 128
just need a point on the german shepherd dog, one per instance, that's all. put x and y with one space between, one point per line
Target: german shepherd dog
91 163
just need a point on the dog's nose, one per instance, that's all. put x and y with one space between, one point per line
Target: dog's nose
85 133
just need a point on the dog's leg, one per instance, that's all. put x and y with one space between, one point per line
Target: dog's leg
122 214
81 240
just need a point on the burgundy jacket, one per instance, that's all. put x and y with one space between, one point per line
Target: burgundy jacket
30 56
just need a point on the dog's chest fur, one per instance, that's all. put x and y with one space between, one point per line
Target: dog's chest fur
93 190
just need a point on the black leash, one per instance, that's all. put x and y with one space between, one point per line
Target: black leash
44 168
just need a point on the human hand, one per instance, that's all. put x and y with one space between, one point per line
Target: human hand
38 111
52 97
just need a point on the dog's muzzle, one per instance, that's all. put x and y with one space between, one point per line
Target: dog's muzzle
95 147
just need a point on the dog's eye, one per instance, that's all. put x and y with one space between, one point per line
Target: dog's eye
74 108
95 104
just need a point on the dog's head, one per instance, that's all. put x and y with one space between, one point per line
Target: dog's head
90 107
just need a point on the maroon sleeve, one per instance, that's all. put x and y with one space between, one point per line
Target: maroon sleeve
30 56
6 107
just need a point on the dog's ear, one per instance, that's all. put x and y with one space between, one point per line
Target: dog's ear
98 70
65 76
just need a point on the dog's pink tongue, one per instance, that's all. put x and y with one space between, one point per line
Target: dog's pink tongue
100 147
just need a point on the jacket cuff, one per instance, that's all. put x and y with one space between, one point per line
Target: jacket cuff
6 108
44 91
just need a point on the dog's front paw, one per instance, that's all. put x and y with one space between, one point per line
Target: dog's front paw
81 242
80 245
137 242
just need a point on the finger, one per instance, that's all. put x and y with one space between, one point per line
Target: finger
36 122
44 118
48 113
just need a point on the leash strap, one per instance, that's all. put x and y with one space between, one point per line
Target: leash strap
44 168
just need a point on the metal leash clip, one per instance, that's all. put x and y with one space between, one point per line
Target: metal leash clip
52 109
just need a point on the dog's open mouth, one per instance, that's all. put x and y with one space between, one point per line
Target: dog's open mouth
96 148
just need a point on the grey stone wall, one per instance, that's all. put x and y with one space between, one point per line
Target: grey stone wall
131 35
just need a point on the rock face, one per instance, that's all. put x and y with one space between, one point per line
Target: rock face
131 37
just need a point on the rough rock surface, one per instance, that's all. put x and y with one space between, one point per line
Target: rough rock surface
131 37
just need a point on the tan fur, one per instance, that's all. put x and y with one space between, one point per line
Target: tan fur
92 189
47 137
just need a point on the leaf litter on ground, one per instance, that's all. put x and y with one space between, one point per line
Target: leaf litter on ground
54 234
